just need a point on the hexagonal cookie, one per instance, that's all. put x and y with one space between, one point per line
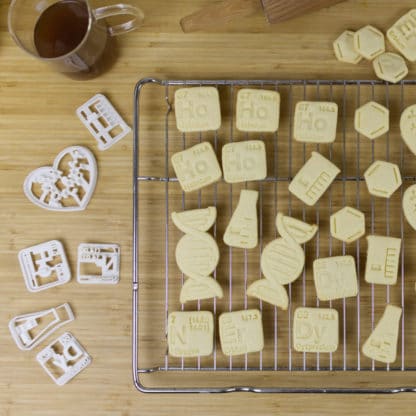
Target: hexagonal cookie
369 42
390 67
371 120
344 48
382 178
347 224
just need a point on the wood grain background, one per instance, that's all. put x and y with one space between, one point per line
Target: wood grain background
37 120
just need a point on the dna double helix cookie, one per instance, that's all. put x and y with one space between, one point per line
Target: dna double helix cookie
197 253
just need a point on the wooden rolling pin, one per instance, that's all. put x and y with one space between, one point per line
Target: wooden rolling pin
225 11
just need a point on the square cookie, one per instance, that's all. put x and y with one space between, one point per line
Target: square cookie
335 277
196 167
190 334
315 330
315 121
244 161
197 109
241 332
258 110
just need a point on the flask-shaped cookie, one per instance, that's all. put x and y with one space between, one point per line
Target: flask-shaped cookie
382 343
242 229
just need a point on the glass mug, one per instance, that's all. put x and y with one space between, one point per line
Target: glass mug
69 34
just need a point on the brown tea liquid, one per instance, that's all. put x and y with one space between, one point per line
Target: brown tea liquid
62 29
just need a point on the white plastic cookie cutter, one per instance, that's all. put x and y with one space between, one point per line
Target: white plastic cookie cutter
63 359
44 266
102 121
32 328
98 263
68 185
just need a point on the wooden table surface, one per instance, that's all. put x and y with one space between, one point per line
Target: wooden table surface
37 120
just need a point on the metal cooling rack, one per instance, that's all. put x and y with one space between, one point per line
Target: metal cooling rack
157 193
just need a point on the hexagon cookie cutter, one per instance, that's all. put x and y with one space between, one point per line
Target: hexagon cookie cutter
68 185
31 329
103 121
98 263
64 365
44 266
383 178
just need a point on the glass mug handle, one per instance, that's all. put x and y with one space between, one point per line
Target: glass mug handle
117 10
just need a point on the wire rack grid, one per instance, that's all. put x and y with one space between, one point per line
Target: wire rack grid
157 282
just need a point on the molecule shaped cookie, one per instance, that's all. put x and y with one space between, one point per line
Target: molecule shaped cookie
369 42
390 67
371 120
383 179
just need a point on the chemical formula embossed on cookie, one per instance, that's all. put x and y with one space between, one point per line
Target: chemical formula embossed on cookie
190 334
335 277
402 35
257 110
241 332
196 167
315 121
244 161
197 109
315 330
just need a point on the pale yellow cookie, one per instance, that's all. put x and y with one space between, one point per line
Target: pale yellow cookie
242 230
371 120
190 334
383 255
315 330
202 288
257 110
313 179
347 224
383 179
344 48
197 109
315 121
241 332
369 42
269 292
197 254
201 219
409 205
381 345
390 67
244 161
282 261
196 167
402 35
300 231
335 277
408 127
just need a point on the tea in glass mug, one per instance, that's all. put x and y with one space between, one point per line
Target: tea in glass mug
68 34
